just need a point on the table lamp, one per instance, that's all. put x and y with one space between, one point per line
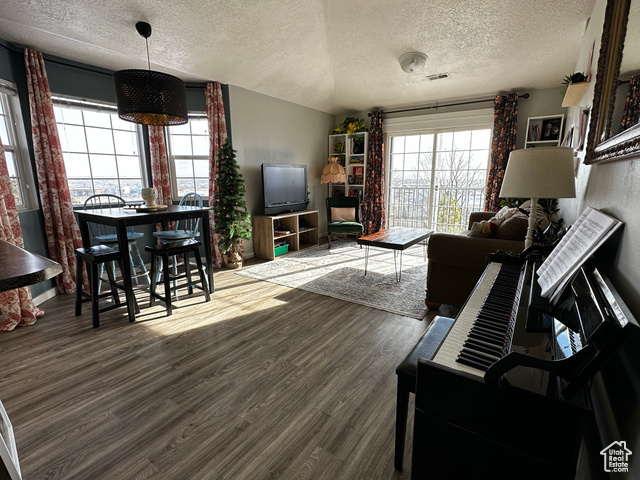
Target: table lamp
333 172
541 172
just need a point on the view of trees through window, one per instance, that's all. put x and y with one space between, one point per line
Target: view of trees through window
438 179
189 155
101 152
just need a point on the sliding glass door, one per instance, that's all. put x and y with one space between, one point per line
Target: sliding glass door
437 179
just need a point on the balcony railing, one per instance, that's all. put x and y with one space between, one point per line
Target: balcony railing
449 211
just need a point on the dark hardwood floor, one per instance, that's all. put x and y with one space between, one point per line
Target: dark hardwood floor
262 382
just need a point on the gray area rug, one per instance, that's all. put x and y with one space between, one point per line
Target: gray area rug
339 273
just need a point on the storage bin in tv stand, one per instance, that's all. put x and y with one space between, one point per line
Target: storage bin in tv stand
264 237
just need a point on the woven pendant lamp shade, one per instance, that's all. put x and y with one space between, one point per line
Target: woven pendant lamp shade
333 172
150 98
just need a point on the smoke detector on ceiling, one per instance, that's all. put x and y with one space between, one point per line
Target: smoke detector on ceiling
412 62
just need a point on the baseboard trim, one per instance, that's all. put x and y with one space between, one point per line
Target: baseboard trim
46 295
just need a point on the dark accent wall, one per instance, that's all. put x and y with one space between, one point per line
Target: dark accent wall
72 78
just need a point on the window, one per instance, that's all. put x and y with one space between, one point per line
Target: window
437 179
101 152
189 156
11 134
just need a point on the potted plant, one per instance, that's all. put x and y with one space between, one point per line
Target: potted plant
351 125
232 219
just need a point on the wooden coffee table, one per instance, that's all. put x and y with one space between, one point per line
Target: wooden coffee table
397 239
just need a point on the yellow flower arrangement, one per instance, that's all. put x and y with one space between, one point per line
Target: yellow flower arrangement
351 125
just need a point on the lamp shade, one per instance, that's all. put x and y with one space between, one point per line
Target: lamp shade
150 98
541 172
333 172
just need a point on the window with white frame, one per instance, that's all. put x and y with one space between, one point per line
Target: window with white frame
11 134
188 148
102 153
438 178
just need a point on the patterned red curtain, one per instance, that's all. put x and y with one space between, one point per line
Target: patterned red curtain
63 234
159 164
503 141
16 307
217 138
631 113
373 204
160 168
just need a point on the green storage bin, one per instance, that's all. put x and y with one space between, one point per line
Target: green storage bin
281 250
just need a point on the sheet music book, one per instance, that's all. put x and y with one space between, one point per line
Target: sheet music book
590 230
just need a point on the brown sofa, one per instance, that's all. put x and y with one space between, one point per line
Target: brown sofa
456 262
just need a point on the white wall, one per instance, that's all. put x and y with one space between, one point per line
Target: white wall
614 188
268 130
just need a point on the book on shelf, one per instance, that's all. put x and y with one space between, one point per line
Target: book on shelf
583 129
568 138
358 171
586 235
532 134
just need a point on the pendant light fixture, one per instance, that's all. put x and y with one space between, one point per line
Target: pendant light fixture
149 97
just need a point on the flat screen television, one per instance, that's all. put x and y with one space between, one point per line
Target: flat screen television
285 188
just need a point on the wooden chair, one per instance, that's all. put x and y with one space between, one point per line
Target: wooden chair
342 226
183 230
106 235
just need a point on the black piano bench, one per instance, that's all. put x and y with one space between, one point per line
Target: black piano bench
407 370
93 257
166 250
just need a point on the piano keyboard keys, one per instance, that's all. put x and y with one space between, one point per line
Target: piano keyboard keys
500 306
483 330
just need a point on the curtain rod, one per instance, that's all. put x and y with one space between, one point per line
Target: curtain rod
110 74
524 95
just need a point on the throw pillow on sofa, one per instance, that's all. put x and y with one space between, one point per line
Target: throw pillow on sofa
514 228
490 228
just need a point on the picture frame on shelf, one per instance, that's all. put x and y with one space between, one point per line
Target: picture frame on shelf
352 179
551 129
356 193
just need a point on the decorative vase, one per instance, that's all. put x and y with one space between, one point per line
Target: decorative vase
149 195
232 259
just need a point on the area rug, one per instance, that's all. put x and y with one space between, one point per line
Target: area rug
339 273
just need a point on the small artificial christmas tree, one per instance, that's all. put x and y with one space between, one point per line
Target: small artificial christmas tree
232 219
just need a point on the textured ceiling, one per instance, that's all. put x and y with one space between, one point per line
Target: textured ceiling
332 55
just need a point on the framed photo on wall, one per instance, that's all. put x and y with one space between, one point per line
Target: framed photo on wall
8 450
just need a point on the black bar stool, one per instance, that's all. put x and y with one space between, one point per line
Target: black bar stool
163 252
95 257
